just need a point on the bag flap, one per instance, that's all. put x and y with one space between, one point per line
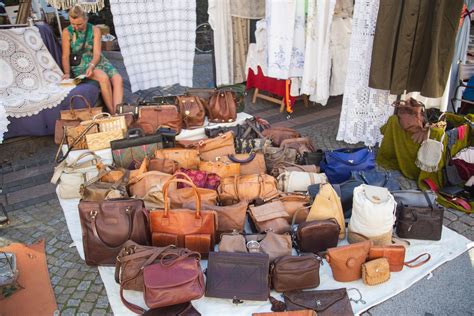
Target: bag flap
182 271
226 139
268 211
376 267
315 300
350 157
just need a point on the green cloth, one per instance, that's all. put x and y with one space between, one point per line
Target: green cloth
87 55
399 152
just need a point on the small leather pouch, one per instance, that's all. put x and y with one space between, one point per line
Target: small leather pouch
324 302
238 276
290 273
318 235
270 216
233 242
376 271
346 261
395 254
163 165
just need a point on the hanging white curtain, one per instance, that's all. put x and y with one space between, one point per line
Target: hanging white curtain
88 5
364 110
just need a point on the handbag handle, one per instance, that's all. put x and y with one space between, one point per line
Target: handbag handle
362 175
410 265
135 132
71 147
196 195
251 157
93 214
101 115
71 107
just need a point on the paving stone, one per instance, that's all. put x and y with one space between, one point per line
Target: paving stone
74 282
73 302
458 226
467 219
55 280
84 285
446 222
102 302
86 307
69 290
450 215
68 312
62 298
79 294
96 288
99 312
91 297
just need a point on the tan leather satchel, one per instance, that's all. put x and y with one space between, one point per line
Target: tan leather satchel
192 111
249 187
326 205
79 114
295 203
180 196
186 158
152 117
149 187
253 163
220 146
346 261
192 229
233 242
221 168
270 216
164 165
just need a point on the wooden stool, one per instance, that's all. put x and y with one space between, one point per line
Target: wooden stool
279 101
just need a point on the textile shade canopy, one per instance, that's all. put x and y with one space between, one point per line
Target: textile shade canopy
88 5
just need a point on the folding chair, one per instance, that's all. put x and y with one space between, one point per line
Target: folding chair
466 71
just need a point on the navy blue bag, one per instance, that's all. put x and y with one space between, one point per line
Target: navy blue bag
338 164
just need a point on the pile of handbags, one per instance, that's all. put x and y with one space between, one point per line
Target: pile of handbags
240 200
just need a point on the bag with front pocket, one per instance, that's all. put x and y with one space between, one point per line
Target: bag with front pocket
270 216
291 273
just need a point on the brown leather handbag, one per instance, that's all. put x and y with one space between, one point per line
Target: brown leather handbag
249 187
163 165
195 230
291 273
253 163
279 134
229 218
276 155
222 107
324 302
295 204
149 187
152 117
274 245
232 242
180 196
107 225
186 158
221 168
395 255
84 114
301 144
59 129
346 261
318 235
220 146
192 111
270 216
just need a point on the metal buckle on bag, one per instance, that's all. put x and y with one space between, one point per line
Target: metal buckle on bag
93 213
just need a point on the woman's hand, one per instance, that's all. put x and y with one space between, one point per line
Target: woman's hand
90 70
66 76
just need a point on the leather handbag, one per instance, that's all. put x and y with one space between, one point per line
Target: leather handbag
94 190
324 302
253 163
420 222
221 107
149 187
318 235
163 165
276 155
201 179
313 158
249 187
102 139
75 136
327 205
192 229
385 179
59 129
376 271
338 164
221 168
129 152
283 166
270 216
186 158
291 273
84 114
251 128
220 146
301 144
246 146
107 225
179 197
273 244
238 276
152 117
279 134
298 181
175 279
229 218
295 204
305 312
346 261
192 111
395 254
184 309
232 242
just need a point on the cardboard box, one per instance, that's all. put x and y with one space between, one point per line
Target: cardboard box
104 29
110 45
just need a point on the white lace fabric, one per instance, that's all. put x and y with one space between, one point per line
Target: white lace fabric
364 110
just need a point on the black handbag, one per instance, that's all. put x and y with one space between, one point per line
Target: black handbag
76 58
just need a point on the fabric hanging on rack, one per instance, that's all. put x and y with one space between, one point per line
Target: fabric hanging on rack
221 23
317 70
29 75
414 45
88 5
248 9
240 30
340 38
460 53
364 110
157 41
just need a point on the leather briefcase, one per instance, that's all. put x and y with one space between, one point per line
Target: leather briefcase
192 111
291 273
324 302
238 276
318 235
395 255
107 225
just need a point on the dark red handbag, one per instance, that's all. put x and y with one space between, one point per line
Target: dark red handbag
201 179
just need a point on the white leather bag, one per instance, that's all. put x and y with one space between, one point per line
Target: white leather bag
70 177
298 181
373 215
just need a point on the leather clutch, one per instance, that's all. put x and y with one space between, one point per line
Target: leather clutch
324 302
395 255
238 276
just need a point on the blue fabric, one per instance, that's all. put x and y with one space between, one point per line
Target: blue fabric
386 179
339 163
469 92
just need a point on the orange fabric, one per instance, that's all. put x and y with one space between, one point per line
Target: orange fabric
37 297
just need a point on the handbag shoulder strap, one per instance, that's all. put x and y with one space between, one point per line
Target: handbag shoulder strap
410 265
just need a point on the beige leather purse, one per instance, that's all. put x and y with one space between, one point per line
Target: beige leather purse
270 216
186 158
298 181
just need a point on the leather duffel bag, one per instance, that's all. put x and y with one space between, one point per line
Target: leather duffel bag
249 187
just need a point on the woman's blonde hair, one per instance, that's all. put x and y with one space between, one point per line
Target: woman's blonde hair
77 12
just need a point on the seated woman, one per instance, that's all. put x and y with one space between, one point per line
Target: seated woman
85 39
